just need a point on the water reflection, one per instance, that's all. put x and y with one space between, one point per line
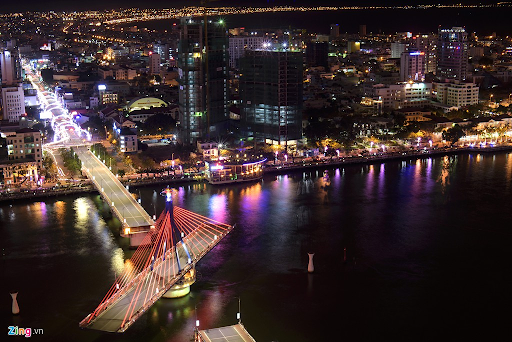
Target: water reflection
118 261
82 208
396 218
444 177
218 207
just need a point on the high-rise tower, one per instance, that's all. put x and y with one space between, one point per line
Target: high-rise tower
203 61
452 54
271 95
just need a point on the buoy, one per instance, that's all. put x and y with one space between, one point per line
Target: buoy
311 267
15 307
345 254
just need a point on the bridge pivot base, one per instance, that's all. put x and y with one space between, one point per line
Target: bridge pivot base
182 288
177 291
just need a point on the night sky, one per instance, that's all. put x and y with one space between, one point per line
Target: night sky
69 5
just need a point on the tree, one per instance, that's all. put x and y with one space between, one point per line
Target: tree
453 134
159 124
49 167
487 61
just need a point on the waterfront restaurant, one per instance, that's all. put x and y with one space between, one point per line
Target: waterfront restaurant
222 173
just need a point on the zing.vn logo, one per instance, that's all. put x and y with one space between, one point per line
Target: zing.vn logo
27 332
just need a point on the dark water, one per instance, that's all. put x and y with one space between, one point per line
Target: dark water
428 257
481 20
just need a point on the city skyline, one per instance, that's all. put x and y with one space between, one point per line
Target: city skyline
319 171
65 5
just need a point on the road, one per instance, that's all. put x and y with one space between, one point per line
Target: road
119 199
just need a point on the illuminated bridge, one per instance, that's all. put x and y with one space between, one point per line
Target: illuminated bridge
162 266
134 219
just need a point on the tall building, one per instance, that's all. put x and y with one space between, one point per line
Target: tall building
353 46
452 54
427 43
362 30
238 45
154 63
335 31
10 66
271 96
316 54
412 66
203 77
13 102
162 49
397 49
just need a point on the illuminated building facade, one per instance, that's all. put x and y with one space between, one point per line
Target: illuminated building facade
427 43
412 66
154 64
457 94
452 54
25 145
14 172
10 66
203 80
271 96
400 95
13 103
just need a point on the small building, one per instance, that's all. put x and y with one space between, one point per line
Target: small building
210 150
128 140
17 172
415 114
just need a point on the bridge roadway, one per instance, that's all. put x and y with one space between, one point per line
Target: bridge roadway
140 295
134 218
131 214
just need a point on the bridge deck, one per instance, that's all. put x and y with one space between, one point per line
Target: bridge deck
141 289
125 207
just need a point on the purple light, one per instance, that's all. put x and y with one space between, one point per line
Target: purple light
258 162
216 167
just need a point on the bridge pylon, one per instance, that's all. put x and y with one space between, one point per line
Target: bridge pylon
162 266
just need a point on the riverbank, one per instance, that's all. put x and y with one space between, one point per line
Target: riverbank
85 188
269 169
416 154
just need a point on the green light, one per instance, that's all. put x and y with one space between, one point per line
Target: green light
221 22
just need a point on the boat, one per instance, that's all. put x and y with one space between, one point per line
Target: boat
225 172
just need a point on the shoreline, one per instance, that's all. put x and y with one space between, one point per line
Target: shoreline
279 169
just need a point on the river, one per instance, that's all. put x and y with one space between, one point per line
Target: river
427 244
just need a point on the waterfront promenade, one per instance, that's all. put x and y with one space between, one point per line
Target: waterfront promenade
280 168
